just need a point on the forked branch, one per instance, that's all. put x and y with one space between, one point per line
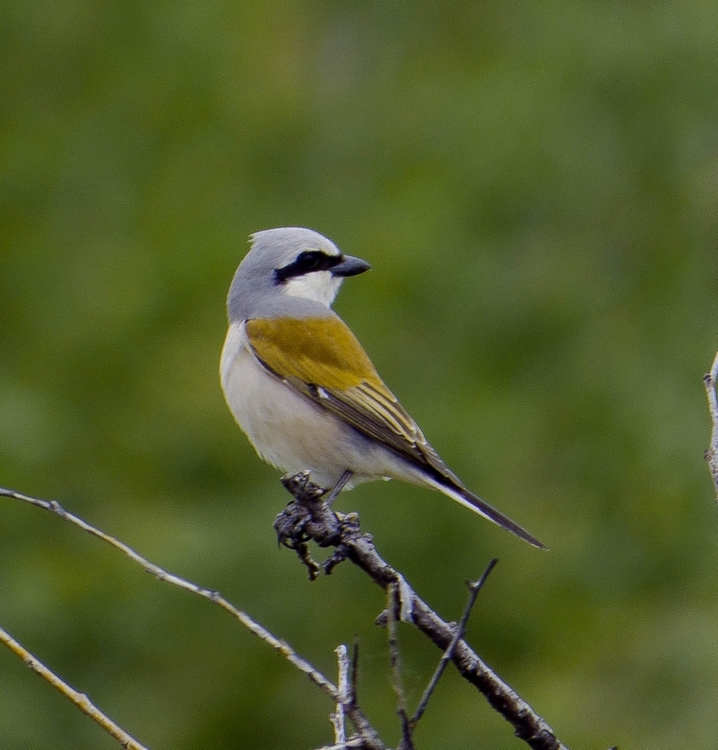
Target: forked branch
367 738
307 519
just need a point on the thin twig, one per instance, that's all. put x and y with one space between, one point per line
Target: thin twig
362 726
364 729
528 725
214 596
359 548
79 699
448 655
354 674
394 603
337 718
711 455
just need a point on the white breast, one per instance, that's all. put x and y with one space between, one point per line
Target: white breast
286 429
290 432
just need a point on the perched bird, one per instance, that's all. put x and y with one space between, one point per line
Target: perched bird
301 386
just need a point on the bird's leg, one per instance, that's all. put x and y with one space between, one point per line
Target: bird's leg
338 487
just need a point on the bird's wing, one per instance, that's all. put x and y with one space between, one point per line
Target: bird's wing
321 359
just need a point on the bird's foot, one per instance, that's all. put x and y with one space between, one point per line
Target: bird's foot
301 488
308 517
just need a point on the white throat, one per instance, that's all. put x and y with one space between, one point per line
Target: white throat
319 286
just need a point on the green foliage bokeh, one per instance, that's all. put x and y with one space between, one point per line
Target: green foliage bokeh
535 186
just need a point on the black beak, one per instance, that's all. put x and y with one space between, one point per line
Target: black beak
350 266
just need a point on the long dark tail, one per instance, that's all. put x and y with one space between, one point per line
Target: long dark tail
475 503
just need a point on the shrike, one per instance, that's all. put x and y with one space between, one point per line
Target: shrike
303 389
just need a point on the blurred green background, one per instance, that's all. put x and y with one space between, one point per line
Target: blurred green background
535 186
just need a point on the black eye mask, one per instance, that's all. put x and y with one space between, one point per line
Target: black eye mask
306 262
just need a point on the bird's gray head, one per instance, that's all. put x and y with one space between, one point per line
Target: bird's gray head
289 271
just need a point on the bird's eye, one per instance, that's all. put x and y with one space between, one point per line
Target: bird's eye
309 260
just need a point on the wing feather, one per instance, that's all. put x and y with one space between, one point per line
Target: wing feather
321 359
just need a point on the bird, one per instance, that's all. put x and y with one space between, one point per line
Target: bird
302 388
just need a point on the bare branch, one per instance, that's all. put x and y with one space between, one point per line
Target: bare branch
354 674
365 731
446 657
394 604
79 699
711 455
337 718
343 532
312 520
528 725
